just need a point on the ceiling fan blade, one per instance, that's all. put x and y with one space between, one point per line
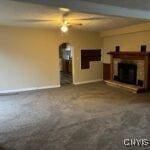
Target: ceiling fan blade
74 24
34 20
78 24
92 18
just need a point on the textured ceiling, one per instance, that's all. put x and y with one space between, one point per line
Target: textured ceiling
15 13
134 4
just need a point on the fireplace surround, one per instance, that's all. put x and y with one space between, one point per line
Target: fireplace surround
132 68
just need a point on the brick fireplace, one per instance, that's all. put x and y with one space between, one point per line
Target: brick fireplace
130 68
139 68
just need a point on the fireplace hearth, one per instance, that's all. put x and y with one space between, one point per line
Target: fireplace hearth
127 73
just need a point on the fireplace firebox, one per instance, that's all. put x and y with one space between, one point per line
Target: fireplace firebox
127 73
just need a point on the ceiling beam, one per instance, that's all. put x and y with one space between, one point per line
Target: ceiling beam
92 7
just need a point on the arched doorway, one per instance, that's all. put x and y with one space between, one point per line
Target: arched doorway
65 62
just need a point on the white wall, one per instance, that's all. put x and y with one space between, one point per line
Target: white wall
128 38
29 57
84 40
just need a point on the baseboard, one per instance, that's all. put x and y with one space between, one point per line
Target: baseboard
28 89
89 81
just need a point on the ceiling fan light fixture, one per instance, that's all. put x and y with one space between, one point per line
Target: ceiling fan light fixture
64 9
64 28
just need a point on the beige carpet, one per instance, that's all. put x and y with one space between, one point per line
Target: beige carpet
85 117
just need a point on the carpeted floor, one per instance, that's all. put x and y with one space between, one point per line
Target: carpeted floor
85 117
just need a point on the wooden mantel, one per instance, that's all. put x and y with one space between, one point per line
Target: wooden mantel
128 55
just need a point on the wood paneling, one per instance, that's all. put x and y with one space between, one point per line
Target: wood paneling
106 71
149 75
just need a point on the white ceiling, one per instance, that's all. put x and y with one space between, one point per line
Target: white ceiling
15 13
134 4
124 8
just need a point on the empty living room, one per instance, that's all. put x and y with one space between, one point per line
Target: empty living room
75 74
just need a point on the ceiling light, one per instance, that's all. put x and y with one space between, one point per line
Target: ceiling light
64 9
64 28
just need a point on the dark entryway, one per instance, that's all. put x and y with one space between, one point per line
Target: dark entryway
65 59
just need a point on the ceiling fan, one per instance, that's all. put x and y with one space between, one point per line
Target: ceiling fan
66 22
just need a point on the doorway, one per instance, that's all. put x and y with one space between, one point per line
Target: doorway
65 62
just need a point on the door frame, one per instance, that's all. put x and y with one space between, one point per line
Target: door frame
73 66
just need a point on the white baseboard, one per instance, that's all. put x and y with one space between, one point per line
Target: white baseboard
43 87
89 81
28 89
